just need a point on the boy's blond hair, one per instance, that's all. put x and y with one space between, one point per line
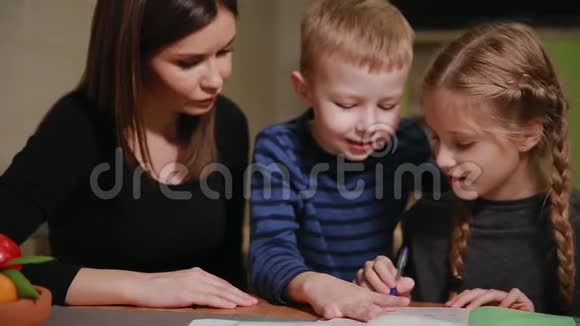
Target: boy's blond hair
367 33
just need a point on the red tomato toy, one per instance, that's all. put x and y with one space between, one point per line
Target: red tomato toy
8 251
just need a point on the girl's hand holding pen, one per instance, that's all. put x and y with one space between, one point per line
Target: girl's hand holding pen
380 275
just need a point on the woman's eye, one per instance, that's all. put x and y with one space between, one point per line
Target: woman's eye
225 52
185 64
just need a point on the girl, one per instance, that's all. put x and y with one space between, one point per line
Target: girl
506 236
118 167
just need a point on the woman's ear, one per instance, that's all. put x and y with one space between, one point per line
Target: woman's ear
534 131
301 88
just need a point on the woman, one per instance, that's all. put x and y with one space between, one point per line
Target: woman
139 171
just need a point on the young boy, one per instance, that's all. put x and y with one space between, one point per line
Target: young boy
328 187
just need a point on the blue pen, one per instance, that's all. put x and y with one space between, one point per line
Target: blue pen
400 266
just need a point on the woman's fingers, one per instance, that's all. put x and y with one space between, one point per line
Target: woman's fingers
233 295
225 289
229 294
211 300
210 278
237 295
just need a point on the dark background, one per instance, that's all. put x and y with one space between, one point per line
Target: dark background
449 14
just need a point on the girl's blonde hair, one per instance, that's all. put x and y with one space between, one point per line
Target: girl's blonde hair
506 65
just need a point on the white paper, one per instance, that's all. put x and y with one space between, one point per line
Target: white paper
212 322
403 316
339 322
424 316
274 323
221 322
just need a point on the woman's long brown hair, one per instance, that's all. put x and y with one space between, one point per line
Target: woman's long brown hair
125 34
505 64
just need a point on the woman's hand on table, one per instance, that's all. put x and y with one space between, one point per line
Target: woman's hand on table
186 288
471 299
379 275
332 298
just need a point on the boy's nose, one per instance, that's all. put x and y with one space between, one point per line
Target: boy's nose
366 123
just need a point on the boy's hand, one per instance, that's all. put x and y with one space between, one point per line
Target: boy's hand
333 298
379 275
472 299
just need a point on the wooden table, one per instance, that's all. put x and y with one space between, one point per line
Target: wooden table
263 308
135 316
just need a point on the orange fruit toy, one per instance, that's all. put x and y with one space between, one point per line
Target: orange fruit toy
8 291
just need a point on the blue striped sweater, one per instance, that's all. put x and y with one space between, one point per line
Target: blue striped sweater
312 211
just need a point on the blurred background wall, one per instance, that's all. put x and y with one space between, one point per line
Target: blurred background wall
43 45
